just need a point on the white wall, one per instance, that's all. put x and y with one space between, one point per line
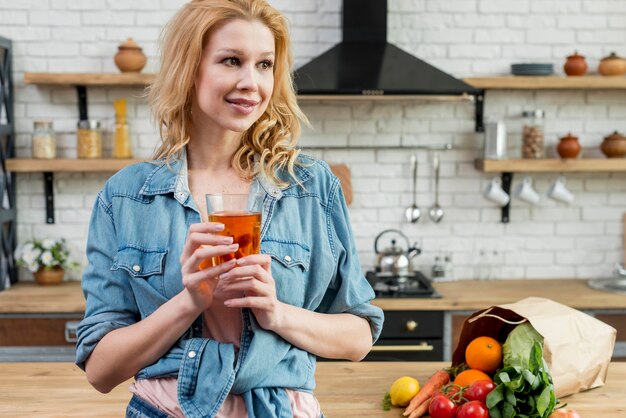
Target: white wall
462 37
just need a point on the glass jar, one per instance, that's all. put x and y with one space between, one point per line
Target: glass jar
533 145
89 139
44 140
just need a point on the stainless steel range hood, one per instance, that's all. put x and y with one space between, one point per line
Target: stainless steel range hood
364 63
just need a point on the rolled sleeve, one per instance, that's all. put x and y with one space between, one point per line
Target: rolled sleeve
348 291
110 303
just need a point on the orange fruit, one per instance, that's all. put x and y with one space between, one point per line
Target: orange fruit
484 354
469 376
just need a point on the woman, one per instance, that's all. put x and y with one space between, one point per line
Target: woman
240 338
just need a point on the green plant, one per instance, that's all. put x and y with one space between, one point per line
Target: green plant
47 254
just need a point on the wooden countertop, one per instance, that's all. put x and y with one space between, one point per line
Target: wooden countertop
46 390
456 296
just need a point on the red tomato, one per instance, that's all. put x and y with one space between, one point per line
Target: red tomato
442 407
564 413
473 409
479 390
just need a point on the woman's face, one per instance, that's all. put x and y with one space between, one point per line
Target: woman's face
235 79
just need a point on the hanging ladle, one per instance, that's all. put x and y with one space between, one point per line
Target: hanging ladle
436 212
413 212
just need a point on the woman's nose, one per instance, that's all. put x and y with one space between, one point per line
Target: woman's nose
248 78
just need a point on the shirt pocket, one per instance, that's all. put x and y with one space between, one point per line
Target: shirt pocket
290 264
143 263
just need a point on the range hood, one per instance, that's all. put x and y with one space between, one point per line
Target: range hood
364 63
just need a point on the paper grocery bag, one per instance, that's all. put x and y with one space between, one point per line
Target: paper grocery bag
577 347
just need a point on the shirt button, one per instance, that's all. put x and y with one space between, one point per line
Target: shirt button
136 268
274 192
191 354
287 258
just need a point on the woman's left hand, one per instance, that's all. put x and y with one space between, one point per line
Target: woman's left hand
252 275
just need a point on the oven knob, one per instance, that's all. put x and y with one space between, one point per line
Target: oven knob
411 325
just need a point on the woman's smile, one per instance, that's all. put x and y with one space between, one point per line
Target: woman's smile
243 106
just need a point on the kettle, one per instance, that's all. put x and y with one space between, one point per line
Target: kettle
395 260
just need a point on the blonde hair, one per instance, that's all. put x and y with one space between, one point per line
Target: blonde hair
274 135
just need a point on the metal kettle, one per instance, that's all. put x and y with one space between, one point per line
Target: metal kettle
394 259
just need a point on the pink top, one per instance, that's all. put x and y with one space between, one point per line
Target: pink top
222 324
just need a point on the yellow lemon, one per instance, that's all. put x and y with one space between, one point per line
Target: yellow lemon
403 390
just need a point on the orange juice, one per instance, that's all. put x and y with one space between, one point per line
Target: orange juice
244 227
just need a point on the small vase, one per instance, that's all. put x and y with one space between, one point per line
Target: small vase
51 276
575 65
130 57
614 145
568 146
612 65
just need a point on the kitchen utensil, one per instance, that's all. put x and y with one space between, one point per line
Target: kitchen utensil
413 213
526 192
614 145
130 57
495 193
495 141
395 260
612 65
532 69
558 191
436 212
575 65
568 147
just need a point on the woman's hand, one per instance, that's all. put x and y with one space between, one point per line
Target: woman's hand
203 243
252 276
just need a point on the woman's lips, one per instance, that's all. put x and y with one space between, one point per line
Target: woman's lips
242 106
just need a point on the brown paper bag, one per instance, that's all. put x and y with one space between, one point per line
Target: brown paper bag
577 347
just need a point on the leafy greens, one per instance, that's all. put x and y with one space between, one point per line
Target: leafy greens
524 385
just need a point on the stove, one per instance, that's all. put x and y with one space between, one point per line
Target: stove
390 285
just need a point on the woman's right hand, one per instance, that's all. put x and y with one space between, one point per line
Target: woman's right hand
203 243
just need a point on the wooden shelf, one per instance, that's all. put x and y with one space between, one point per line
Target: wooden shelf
547 83
88 79
22 165
551 165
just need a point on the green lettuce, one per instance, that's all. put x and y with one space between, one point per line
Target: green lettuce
524 385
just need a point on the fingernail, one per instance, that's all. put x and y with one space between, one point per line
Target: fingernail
234 246
223 276
219 227
227 240
241 261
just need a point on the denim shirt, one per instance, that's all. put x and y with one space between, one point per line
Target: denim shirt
137 231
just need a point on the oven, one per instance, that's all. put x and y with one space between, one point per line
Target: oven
410 336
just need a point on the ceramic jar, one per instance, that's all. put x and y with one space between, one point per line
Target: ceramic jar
130 57
568 146
575 65
614 145
612 65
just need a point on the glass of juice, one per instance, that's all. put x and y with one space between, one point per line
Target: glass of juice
241 216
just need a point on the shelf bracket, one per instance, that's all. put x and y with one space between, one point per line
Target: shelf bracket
48 180
82 102
479 107
507 179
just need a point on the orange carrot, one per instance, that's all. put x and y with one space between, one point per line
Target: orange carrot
421 409
430 389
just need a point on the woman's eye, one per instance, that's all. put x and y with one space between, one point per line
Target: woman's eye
267 64
231 61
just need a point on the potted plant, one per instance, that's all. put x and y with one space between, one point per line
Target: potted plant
47 259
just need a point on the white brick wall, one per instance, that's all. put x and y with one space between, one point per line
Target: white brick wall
463 37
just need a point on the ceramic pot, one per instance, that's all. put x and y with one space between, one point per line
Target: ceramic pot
614 145
568 147
575 65
612 65
130 57
51 276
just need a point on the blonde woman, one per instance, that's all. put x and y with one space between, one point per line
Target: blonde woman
240 338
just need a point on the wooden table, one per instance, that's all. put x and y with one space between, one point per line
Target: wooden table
463 295
46 390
